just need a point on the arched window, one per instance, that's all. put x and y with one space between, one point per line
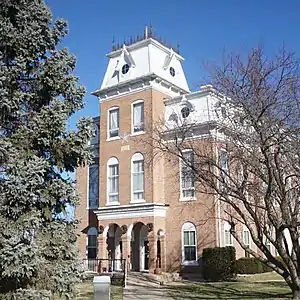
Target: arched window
189 243
137 181
138 122
113 180
227 235
92 245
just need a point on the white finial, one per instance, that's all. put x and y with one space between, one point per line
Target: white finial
146 32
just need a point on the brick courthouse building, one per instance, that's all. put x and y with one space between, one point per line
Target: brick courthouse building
133 206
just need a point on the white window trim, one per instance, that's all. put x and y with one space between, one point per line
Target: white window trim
112 161
108 128
136 157
184 199
245 229
183 229
227 228
132 127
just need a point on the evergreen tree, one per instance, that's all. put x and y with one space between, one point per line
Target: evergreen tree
38 94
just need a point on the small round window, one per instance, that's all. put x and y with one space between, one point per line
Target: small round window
172 71
185 112
125 69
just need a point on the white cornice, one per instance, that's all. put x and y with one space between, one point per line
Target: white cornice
130 86
131 211
123 84
194 95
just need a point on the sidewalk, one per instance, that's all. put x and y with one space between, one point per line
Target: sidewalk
139 288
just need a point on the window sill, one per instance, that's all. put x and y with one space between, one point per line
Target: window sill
112 204
113 138
137 201
190 263
137 133
186 199
94 207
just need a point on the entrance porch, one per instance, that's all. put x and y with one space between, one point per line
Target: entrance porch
138 243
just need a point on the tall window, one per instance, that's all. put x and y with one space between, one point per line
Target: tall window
92 244
138 117
93 186
224 163
227 235
189 243
187 175
113 126
113 180
246 240
137 176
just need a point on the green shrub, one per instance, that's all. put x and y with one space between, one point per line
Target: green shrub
218 263
251 265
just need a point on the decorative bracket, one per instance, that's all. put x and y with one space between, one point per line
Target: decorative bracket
127 56
168 59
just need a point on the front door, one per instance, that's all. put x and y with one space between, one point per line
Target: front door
146 255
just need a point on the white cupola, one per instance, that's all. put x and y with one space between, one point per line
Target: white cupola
142 59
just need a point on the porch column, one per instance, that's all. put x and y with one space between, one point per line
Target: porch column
102 252
152 252
162 240
126 250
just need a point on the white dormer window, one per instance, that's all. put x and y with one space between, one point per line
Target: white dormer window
113 120
138 124
172 72
185 112
187 107
125 69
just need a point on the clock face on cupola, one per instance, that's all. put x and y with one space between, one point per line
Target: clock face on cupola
142 63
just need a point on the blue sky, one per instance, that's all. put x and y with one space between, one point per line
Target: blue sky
203 28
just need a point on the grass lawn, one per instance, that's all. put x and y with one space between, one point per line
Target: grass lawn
85 291
255 287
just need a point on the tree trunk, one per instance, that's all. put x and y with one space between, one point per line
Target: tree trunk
296 293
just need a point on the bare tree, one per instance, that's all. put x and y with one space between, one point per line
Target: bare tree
258 128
